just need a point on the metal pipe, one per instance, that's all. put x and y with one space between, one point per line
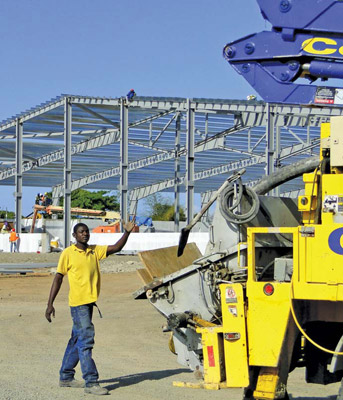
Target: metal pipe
67 170
190 162
177 175
18 175
124 159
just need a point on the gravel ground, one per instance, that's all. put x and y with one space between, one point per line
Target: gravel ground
114 263
131 351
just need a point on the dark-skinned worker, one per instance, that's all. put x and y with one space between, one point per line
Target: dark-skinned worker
80 262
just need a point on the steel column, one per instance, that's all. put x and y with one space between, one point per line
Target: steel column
67 171
270 141
124 158
190 162
19 174
177 175
277 154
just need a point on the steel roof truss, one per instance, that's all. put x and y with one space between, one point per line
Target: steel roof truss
109 137
34 113
97 115
164 128
213 143
259 141
196 130
294 135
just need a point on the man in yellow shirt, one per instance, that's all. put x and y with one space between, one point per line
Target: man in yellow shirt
80 262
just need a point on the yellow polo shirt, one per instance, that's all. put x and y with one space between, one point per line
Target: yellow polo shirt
82 268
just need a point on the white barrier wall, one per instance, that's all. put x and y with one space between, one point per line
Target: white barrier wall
34 242
150 241
27 243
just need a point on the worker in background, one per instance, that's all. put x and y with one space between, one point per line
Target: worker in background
37 198
14 237
80 262
131 95
48 200
5 228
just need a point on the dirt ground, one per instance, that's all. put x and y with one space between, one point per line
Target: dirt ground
131 351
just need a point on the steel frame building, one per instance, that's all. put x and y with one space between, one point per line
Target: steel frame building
152 144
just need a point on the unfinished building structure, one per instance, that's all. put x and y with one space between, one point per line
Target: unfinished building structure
152 144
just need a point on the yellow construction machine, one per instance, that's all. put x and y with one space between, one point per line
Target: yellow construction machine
267 297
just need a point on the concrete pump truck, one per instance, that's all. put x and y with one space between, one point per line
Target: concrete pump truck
267 296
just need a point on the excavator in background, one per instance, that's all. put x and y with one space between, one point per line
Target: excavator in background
267 295
39 210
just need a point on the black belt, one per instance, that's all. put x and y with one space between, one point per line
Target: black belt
95 305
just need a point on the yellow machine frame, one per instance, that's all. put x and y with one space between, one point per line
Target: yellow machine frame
258 329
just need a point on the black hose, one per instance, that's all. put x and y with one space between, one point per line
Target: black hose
324 167
286 174
265 185
240 194
228 210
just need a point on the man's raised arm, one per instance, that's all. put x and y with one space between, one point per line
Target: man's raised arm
128 227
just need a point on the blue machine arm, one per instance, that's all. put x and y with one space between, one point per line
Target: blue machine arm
306 41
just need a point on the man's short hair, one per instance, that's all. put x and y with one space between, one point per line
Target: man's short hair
77 226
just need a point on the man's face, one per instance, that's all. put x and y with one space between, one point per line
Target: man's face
82 235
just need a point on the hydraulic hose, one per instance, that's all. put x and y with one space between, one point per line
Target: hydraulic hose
291 297
238 190
285 174
266 184
228 210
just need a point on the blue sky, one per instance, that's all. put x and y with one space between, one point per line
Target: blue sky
106 47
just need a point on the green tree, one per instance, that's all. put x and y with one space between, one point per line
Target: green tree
162 209
100 200
10 214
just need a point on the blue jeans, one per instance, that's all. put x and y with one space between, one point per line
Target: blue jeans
13 247
80 346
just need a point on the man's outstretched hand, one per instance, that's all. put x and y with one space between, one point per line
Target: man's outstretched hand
50 310
128 226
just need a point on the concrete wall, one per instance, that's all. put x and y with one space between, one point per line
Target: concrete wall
55 226
27 243
46 230
150 241
34 242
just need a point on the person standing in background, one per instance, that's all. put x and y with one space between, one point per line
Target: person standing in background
14 237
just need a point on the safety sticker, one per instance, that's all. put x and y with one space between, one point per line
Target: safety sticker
333 203
233 310
230 295
325 95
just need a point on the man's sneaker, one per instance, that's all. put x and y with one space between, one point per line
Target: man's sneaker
73 384
96 389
